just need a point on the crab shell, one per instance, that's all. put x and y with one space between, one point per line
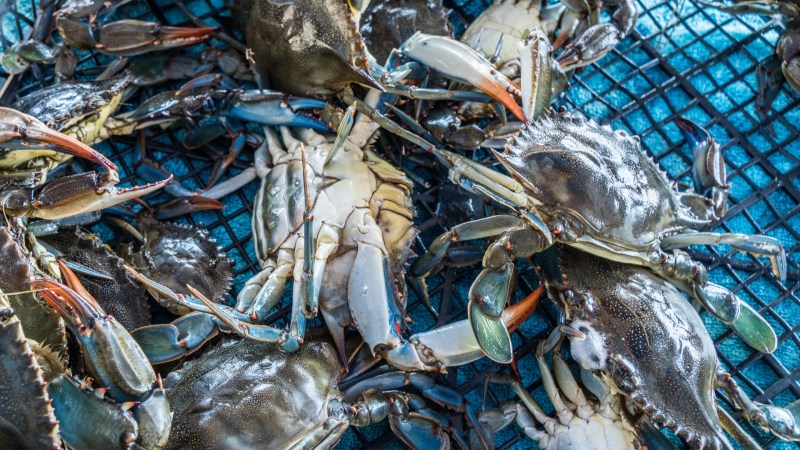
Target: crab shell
509 20
39 322
77 108
645 340
599 183
247 394
25 411
120 296
387 24
306 47
176 255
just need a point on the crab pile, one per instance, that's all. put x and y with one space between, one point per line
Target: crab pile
338 112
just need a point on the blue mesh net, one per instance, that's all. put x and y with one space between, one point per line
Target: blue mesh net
682 60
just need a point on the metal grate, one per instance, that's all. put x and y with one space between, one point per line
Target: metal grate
682 60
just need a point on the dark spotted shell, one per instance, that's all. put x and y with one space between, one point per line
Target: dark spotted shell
122 297
601 177
248 394
39 322
387 24
61 104
25 411
647 340
176 255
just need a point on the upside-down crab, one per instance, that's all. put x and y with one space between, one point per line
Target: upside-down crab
498 29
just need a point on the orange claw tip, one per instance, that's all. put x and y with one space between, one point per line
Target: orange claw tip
33 133
72 280
516 314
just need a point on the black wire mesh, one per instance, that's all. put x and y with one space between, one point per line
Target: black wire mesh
682 60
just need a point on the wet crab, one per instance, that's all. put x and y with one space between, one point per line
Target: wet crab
176 255
139 413
575 182
306 47
298 395
85 24
497 30
787 49
582 422
645 341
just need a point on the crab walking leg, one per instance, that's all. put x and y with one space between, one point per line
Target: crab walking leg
537 73
476 229
754 244
264 290
782 422
190 332
732 427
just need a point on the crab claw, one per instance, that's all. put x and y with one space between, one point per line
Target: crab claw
274 108
459 62
709 166
115 359
593 44
134 37
19 131
72 195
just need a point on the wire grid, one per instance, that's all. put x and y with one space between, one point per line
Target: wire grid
681 60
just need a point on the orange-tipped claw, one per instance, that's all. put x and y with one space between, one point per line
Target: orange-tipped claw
76 309
134 37
19 131
516 314
460 62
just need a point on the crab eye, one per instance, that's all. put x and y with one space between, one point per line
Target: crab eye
208 104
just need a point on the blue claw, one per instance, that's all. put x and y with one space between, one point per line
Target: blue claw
709 167
273 108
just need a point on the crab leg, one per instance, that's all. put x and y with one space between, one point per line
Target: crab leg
754 244
185 335
782 422
730 309
133 37
459 62
537 70
453 344
709 173
116 360
76 194
598 40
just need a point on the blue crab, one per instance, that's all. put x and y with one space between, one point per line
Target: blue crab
85 25
298 394
585 185
139 413
646 342
581 421
497 30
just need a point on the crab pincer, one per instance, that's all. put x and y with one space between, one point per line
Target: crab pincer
460 62
19 131
120 366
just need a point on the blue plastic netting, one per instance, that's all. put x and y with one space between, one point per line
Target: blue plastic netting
683 59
